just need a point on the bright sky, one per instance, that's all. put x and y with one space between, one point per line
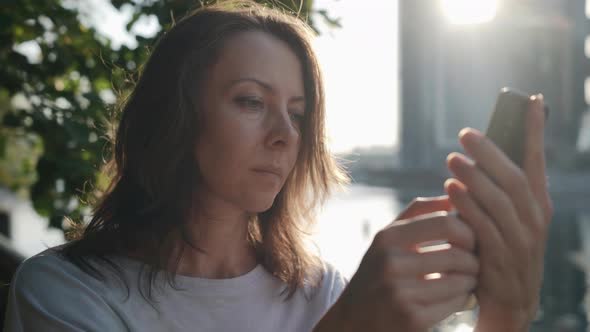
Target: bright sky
360 64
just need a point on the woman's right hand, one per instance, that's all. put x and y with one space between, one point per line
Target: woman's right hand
389 291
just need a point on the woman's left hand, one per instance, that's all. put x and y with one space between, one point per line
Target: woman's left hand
509 210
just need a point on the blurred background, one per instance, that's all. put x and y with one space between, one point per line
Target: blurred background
402 78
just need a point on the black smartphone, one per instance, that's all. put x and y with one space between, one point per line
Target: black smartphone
507 126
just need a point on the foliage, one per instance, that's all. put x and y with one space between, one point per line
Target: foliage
59 81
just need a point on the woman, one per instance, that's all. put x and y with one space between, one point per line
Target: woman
219 161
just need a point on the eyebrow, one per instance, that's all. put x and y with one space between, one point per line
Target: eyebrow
265 85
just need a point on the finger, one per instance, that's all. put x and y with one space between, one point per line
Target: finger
534 158
438 290
418 265
488 196
437 226
507 175
423 205
430 315
488 237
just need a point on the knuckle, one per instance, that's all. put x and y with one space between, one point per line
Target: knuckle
458 259
525 246
462 261
390 286
457 255
453 255
456 229
529 244
475 264
447 225
399 297
537 229
501 201
467 282
391 269
498 261
539 226
520 177
517 180
549 209
456 282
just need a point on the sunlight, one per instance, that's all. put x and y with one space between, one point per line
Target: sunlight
470 11
433 246
361 101
463 328
433 276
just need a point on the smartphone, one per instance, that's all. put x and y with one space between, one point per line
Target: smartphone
507 126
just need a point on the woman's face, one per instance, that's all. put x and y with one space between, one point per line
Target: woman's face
253 106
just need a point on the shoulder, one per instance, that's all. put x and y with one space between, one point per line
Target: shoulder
333 279
44 266
49 293
314 304
333 282
48 267
333 276
48 277
44 260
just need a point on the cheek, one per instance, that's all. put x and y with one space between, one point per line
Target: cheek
223 153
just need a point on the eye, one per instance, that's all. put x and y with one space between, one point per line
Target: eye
297 117
250 102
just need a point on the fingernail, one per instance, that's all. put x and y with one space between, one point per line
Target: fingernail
464 131
447 183
538 98
451 155
470 136
460 160
470 132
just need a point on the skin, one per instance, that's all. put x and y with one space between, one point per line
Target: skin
504 211
252 117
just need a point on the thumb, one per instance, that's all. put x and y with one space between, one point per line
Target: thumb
423 205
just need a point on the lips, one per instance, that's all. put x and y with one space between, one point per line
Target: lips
271 170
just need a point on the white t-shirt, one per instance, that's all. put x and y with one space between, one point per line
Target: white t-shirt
48 293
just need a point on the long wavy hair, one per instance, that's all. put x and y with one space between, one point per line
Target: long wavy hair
153 168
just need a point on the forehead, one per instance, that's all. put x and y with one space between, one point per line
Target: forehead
262 56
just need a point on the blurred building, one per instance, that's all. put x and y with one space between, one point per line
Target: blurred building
450 77
451 73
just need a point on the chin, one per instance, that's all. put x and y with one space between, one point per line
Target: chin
260 204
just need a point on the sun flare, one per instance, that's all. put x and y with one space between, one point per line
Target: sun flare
469 11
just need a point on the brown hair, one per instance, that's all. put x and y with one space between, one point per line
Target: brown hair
153 176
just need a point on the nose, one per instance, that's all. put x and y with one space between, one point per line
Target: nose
283 132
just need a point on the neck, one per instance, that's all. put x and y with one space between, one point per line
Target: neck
220 246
